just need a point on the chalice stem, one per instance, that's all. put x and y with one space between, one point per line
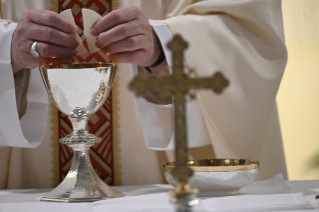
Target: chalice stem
81 184
79 124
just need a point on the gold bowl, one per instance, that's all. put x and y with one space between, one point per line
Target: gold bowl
217 177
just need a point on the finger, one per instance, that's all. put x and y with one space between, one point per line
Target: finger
54 51
136 56
126 45
51 35
115 18
54 61
51 19
42 61
118 33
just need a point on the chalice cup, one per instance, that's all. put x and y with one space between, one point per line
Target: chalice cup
78 91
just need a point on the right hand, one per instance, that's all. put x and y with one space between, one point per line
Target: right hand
56 40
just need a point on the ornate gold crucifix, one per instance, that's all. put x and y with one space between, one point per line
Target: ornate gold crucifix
179 84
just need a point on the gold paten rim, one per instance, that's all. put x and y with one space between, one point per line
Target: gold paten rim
217 165
82 65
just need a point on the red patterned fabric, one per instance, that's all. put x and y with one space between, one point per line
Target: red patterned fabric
100 123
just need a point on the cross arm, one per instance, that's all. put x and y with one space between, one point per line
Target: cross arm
142 86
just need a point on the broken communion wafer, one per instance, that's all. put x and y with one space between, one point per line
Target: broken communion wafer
67 14
89 18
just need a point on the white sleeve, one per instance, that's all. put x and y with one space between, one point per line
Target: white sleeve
29 131
157 121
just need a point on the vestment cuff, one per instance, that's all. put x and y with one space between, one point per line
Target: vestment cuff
164 35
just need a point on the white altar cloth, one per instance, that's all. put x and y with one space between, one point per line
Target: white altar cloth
144 198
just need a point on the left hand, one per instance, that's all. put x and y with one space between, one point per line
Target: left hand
126 35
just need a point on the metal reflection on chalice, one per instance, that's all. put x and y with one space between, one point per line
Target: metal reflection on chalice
78 91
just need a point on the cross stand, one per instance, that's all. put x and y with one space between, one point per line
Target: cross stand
179 84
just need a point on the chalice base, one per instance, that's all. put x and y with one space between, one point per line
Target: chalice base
81 184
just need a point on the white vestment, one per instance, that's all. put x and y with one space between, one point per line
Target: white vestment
243 39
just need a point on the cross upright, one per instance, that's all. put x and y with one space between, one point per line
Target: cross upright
179 85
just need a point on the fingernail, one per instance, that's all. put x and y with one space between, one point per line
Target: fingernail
74 29
109 57
94 31
73 59
77 43
97 44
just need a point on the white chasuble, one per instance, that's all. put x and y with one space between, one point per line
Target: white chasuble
243 39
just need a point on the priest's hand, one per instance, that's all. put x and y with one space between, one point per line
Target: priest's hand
126 35
56 39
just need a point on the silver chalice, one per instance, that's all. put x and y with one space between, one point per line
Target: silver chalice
78 91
